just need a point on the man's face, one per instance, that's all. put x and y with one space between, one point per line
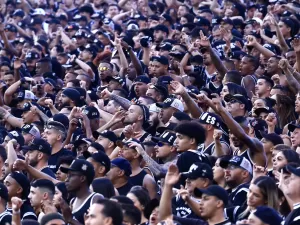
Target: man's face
12 186
51 136
293 183
32 157
182 142
69 77
39 69
104 70
95 216
285 30
9 79
182 11
297 104
245 66
152 93
291 57
153 119
64 100
140 88
295 137
30 64
191 184
128 153
162 150
28 116
113 173
262 87
111 107
85 56
112 11
233 175
81 41
4 170
35 197
272 66
165 114
159 36
217 35
73 181
132 114
208 206
248 28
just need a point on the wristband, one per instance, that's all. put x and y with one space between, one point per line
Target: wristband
16 212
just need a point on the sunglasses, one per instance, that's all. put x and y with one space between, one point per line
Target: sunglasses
104 68
161 144
234 101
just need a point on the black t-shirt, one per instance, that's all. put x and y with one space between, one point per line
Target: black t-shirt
5 218
294 217
181 209
125 189
238 196
53 159
48 171
27 212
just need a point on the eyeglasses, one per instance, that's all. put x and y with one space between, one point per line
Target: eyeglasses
104 68
53 127
234 101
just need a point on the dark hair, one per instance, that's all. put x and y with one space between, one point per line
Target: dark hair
236 89
190 17
44 184
142 196
61 186
75 82
267 80
103 186
253 60
3 154
123 199
65 160
132 213
9 72
234 76
192 130
112 209
59 49
291 156
285 110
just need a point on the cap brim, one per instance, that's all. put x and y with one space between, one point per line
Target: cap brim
86 154
224 163
199 192
292 127
293 170
260 110
228 97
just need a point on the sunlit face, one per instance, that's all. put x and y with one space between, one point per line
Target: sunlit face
182 142
295 137
218 172
279 161
254 197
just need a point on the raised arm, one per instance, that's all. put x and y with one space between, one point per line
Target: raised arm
251 41
134 60
292 82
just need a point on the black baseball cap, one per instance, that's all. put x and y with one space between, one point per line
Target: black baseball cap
292 127
258 111
161 59
17 136
11 28
213 190
31 55
122 164
294 170
259 126
199 170
272 137
166 137
214 120
240 98
92 112
81 166
106 134
56 125
142 78
40 145
99 157
23 181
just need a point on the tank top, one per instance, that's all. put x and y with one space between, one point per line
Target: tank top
245 154
78 213
210 149
138 179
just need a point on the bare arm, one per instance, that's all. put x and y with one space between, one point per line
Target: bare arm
85 67
249 85
150 184
13 121
7 44
11 153
120 16
217 62
123 102
8 95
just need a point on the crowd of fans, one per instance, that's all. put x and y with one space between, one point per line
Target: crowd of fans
149 112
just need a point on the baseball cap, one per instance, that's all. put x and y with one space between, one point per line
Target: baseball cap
171 102
122 164
61 118
82 141
17 136
122 143
161 59
162 28
238 97
51 82
31 129
153 108
239 161
81 166
272 137
10 27
199 170
91 112
292 127
259 126
71 27
214 120
99 157
106 134
40 145
19 12
162 89
26 95
268 215
31 55
23 181
81 33
38 11
47 218
36 20
142 78
3 192
165 46
166 137
258 111
213 190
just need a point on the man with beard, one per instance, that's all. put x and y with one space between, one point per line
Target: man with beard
248 66
168 108
161 33
69 98
31 59
135 118
54 134
80 176
140 85
238 174
38 154
154 121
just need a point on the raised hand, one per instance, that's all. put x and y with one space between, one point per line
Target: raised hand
296 44
276 79
128 131
17 63
119 116
227 35
16 203
48 207
217 135
204 41
202 98
49 103
177 88
259 171
184 194
217 101
283 64
105 94
271 120
66 210
251 40
20 165
172 176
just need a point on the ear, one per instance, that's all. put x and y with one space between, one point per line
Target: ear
140 117
110 144
20 190
242 106
101 169
219 203
193 141
107 221
121 173
209 127
40 155
172 149
45 195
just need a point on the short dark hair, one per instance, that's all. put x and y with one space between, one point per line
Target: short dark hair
9 72
253 60
234 76
44 184
3 154
113 210
65 160
132 213
192 129
267 80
